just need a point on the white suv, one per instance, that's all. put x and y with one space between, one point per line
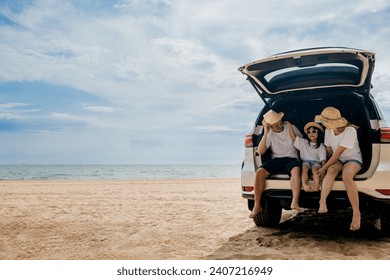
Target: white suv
301 84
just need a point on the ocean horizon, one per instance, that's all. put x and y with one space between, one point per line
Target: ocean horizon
116 171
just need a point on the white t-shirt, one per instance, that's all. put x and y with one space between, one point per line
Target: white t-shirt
281 143
308 150
348 139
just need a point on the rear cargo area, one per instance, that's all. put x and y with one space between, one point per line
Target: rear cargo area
301 108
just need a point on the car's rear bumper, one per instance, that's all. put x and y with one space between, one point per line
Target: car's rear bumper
311 199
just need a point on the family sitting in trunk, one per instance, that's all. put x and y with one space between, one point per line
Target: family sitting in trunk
343 152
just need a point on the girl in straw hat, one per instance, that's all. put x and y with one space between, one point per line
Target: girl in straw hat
343 148
312 152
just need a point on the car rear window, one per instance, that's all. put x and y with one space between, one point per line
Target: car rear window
323 75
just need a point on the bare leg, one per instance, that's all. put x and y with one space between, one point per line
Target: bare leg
305 178
295 182
316 179
350 169
261 173
327 185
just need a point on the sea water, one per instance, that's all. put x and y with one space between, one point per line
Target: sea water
97 172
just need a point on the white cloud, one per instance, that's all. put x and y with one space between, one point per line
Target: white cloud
100 109
65 116
10 116
142 7
216 128
12 105
15 111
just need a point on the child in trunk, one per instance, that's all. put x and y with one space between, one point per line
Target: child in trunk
312 153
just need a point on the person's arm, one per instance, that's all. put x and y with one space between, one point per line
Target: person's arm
329 152
291 130
324 152
262 147
335 156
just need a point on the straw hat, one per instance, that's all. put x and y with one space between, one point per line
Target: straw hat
313 124
271 117
331 118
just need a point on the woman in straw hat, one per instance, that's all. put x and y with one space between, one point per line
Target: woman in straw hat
343 148
284 158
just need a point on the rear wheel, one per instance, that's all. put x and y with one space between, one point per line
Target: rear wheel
271 214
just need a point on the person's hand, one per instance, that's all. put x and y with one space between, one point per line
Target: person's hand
266 126
287 123
321 172
318 176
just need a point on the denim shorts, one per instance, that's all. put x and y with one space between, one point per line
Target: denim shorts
352 160
311 163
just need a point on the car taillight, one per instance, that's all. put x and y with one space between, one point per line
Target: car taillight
248 189
385 135
248 141
383 191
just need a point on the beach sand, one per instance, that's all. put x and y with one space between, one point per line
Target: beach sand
195 219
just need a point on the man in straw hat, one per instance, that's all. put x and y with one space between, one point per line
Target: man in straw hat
284 158
343 148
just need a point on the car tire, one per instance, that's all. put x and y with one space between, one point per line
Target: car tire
271 214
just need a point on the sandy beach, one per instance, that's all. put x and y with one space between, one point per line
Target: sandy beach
197 219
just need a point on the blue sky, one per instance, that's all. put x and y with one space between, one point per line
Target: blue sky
156 81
